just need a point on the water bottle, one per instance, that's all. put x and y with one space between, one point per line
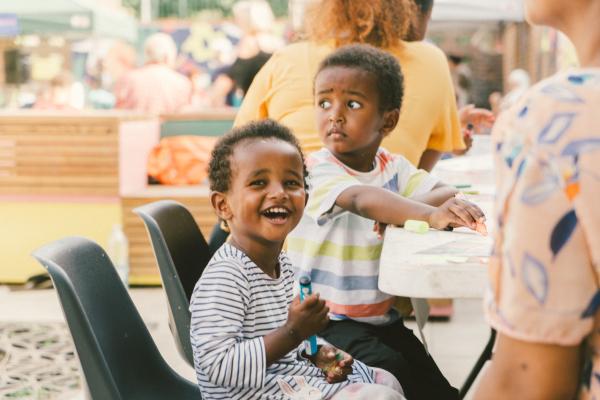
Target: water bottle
310 344
118 251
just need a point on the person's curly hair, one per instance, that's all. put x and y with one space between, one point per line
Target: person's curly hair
219 168
381 23
424 5
382 65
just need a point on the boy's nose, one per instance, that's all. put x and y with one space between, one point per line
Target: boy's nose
336 118
277 191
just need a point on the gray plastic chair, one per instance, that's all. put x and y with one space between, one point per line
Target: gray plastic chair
181 254
117 354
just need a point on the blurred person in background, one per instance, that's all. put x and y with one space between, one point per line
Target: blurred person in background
156 87
61 93
518 83
106 64
472 119
255 19
495 98
461 77
418 29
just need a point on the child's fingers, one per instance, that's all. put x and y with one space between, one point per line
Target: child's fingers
462 216
346 371
336 375
316 306
323 315
296 301
474 210
347 361
311 301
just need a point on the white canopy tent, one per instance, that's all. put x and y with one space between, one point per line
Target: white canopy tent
478 10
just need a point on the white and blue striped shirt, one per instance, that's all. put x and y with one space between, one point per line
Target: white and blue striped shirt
234 305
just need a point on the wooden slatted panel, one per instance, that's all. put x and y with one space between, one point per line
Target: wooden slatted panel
143 268
59 157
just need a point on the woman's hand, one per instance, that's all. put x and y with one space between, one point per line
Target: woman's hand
478 117
335 363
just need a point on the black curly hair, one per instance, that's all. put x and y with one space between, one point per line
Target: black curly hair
424 5
219 168
382 65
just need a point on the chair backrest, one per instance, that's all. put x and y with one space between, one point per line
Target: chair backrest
181 254
117 354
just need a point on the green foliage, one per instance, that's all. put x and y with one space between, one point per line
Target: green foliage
188 8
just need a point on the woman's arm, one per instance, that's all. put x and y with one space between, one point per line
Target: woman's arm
429 158
530 371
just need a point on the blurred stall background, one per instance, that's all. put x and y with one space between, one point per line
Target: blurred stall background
63 145
73 163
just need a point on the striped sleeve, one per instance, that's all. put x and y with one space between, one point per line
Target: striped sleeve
412 181
327 181
217 307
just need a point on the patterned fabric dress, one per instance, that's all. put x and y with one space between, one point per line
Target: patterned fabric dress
544 285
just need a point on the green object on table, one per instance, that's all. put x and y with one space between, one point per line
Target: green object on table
462 185
470 192
416 226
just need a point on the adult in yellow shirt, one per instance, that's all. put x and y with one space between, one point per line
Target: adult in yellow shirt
282 90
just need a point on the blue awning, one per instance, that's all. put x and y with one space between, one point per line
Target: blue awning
9 24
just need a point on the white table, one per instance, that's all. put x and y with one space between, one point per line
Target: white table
441 264
436 264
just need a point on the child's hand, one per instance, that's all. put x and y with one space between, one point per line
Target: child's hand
335 364
308 317
457 212
379 228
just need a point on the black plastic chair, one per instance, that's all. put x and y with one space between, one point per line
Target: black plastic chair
117 354
181 254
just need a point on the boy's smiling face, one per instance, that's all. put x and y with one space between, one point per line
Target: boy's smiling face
349 120
266 196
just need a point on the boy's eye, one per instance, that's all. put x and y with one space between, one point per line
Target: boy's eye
352 104
293 183
325 104
258 182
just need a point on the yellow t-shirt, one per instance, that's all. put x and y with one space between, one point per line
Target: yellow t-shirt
283 90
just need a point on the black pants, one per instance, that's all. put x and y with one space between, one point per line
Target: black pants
396 349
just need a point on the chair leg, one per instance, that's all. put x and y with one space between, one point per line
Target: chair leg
486 354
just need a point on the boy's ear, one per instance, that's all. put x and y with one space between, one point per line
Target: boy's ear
390 120
220 205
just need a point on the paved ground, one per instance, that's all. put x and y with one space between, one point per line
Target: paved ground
37 355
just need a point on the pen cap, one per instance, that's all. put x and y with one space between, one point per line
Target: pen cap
304 280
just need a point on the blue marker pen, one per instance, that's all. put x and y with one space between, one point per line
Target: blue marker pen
310 344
